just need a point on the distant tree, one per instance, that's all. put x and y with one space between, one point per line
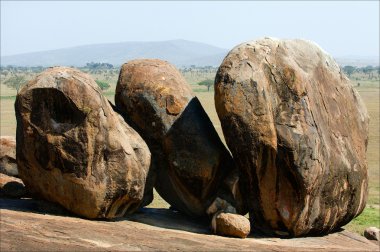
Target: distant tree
4 72
349 70
368 70
93 65
208 83
15 82
102 84
378 69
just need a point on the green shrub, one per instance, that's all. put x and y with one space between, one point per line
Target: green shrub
208 83
102 84
368 218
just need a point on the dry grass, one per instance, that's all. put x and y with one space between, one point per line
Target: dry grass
207 101
6 91
7 116
371 100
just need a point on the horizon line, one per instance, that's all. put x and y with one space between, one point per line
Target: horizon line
350 56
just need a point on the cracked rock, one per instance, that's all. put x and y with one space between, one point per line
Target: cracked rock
192 166
298 132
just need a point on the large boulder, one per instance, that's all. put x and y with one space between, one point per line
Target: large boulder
298 132
191 163
8 164
73 149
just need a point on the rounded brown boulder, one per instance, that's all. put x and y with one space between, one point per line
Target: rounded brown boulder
228 224
73 149
190 160
298 132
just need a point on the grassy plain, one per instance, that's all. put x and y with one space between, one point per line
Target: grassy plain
369 91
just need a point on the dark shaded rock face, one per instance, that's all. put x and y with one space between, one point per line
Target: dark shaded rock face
372 233
73 149
11 187
298 132
190 160
8 164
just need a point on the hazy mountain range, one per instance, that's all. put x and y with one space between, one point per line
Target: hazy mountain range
178 52
182 53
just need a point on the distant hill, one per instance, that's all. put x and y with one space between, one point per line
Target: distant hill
358 61
178 52
181 53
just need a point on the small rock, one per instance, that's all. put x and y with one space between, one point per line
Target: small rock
372 233
228 224
8 164
11 187
220 204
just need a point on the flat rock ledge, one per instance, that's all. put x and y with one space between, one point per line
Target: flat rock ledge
28 224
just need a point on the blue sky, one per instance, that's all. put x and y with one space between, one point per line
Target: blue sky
342 28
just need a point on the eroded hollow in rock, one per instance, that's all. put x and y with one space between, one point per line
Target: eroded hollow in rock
52 111
75 150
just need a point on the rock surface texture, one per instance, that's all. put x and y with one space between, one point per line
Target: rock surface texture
73 149
228 224
190 160
25 225
298 132
8 164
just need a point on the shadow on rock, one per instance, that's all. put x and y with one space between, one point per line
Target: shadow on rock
158 217
34 206
170 219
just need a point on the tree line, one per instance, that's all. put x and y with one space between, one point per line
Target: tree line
15 77
369 71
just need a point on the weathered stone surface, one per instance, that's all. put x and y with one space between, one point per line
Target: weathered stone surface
229 224
190 160
372 233
298 132
73 149
11 187
8 164
23 226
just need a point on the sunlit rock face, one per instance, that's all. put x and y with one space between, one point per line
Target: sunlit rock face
298 132
73 149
